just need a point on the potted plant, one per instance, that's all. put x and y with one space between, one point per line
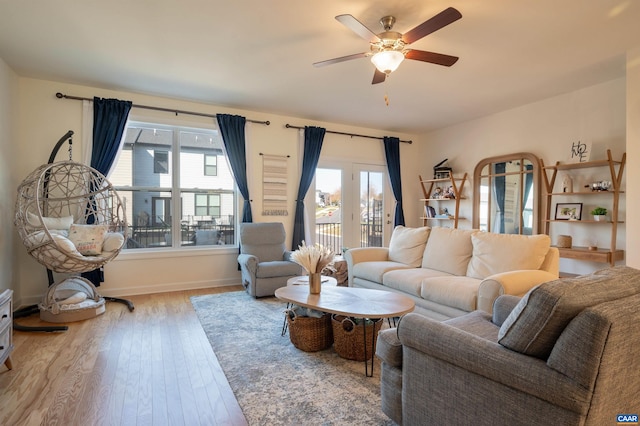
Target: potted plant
599 214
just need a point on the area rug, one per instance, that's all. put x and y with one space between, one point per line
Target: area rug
277 384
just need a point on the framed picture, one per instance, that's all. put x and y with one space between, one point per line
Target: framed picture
568 211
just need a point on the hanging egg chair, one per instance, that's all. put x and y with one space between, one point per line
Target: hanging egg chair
71 220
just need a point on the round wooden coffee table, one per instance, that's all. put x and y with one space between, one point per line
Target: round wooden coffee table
352 302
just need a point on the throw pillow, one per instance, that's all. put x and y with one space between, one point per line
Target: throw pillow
87 238
537 321
50 222
407 245
448 250
496 253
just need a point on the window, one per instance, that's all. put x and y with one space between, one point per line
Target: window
169 198
207 205
210 165
161 162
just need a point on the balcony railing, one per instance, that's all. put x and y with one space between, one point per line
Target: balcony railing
161 236
330 235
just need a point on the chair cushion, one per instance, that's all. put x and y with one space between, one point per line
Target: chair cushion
455 258
496 253
277 268
539 318
50 222
407 245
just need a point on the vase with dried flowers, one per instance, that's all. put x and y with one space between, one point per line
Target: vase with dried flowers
313 259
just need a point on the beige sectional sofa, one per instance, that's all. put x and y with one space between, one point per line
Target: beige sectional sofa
450 272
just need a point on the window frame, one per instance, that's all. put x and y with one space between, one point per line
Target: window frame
178 192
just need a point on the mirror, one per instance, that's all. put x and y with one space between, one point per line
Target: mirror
506 193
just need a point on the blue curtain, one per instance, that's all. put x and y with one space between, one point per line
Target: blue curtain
313 137
109 120
499 190
392 153
232 129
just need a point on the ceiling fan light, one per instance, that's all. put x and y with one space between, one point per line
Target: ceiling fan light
387 61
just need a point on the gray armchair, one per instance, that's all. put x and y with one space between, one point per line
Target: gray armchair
264 260
567 353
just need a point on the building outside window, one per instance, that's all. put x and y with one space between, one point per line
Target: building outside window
210 165
170 199
161 162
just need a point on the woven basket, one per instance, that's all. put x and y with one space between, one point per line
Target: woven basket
564 241
348 337
309 334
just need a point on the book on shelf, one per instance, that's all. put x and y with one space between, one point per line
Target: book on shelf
429 211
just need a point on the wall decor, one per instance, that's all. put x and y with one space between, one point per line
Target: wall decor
568 211
274 185
580 152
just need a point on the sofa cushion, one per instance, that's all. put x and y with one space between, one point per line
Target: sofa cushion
539 318
448 250
407 245
373 271
453 291
477 323
409 280
496 253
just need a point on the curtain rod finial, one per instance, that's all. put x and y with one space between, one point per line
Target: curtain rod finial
59 95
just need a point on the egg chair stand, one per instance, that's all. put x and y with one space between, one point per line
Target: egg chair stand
72 221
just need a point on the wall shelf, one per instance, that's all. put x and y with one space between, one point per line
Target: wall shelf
615 169
428 188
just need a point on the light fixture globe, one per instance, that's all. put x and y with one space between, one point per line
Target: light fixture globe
387 61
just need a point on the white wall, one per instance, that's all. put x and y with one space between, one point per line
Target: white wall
8 102
44 119
547 129
633 157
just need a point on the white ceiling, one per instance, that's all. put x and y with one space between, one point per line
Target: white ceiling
257 55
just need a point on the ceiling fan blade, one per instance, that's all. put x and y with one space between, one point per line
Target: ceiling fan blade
357 27
340 59
432 57
440 20
378 77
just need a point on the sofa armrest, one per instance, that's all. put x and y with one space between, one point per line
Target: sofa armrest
485 360
364 254
502 307
248 263
516 283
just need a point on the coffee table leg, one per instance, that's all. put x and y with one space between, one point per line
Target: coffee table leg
284 324
373 346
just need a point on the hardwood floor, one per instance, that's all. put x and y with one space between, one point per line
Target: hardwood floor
152 366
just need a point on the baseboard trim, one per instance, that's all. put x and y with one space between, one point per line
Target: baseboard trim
146 289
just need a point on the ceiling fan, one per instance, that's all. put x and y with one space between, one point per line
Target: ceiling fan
389 48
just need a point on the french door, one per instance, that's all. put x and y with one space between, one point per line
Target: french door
352 204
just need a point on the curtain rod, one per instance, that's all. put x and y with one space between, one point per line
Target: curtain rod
289 126
175 111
